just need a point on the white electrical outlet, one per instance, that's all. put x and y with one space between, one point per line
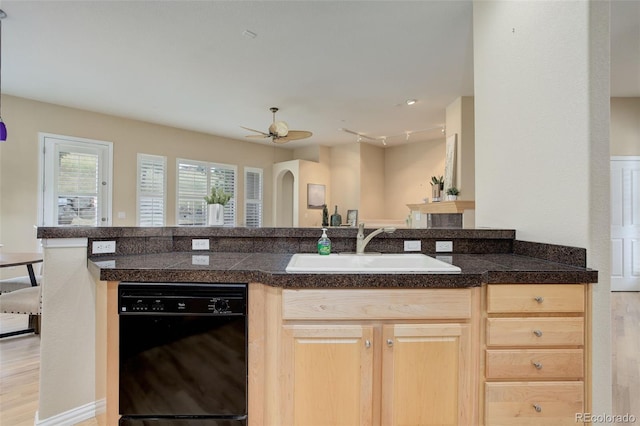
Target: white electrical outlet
200 259
200 244
444 246
103 247
412 245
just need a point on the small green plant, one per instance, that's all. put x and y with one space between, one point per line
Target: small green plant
437 181
453 191
217 196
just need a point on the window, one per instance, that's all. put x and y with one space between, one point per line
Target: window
195 179
75 181
152 184
253 197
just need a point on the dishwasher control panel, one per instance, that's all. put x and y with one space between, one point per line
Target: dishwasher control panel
195 299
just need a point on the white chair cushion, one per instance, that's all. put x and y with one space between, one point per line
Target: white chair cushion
23 301
12 284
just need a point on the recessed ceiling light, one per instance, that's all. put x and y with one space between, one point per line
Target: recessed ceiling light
411 101
249 34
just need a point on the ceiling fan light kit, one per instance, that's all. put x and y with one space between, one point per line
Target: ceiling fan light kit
279 131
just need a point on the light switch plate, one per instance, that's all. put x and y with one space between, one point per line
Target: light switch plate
444 246
412 245
200 244
99 247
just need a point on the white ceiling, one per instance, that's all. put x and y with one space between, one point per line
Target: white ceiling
326 64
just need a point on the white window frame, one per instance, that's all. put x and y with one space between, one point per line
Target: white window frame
248 201
139 193
208 166
46 212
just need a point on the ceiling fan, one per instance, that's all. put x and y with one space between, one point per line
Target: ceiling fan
279 131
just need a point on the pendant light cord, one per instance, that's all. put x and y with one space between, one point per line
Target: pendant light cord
2 16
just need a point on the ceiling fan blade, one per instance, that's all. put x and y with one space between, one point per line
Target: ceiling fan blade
294 135
266 135
258 136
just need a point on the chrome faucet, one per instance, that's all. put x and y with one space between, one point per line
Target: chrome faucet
361 241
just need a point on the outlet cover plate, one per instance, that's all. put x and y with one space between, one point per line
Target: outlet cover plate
444 246
99 247
412 245
200 244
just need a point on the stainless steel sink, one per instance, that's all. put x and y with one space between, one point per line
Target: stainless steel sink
307 263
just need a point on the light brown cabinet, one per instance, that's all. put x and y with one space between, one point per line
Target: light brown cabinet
375 357
534 354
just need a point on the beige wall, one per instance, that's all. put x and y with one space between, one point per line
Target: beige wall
460 121
318 173
625 126
408 170
19 161
372 183
345 179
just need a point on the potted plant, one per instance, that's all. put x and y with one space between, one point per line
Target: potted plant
437 185
215 209
452 193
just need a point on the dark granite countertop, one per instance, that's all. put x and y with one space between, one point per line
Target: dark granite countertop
269 268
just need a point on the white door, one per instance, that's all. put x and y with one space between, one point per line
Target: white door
625 223
75 181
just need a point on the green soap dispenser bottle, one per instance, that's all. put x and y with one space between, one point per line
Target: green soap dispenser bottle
324 243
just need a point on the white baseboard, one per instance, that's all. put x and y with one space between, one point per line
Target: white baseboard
71 417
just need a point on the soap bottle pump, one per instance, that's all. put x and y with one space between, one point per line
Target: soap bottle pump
324 243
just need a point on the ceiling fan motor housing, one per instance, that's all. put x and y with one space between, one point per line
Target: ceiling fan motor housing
279 128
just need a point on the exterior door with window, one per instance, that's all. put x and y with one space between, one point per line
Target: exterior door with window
625 223
76 182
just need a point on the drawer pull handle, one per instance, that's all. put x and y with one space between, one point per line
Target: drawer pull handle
390 342
537 365
537 408
539 299
367 344
537 333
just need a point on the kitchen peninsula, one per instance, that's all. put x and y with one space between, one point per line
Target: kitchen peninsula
370 337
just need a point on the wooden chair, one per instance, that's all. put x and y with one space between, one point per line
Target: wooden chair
27 301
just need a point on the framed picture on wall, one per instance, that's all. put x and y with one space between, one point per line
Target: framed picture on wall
315 196
352 218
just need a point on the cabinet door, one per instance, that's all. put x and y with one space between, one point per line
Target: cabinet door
328 374
426 375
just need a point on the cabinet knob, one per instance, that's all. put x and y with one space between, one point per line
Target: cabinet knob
539 299
390 342
367 344
537 365
537 408
537 333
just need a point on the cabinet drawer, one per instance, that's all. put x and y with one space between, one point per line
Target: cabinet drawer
529 298
380 304
533 404
535 331
528 364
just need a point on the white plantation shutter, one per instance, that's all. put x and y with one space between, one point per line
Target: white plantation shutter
195 179
152 183
253 197
77 187
224 176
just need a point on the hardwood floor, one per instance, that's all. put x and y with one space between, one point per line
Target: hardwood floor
625 340
20 364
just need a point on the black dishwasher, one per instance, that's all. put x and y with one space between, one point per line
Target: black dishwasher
183 354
